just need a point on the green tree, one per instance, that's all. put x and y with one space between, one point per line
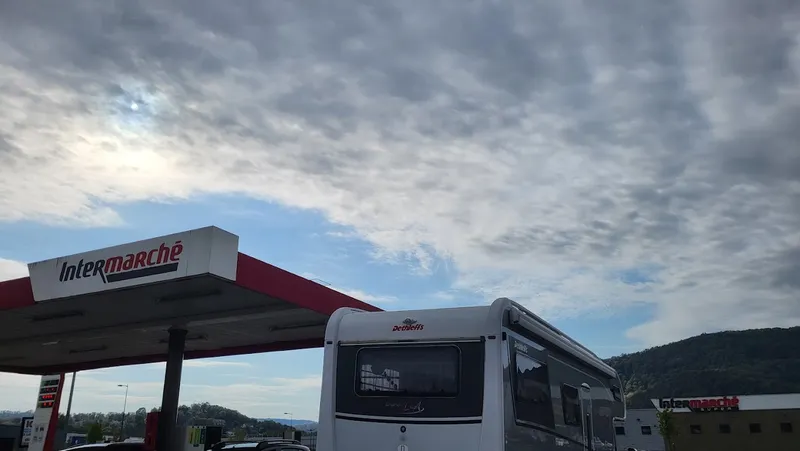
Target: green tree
239 434
198 414
667 428
95 434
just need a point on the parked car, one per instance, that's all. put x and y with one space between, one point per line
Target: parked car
263 445
110 447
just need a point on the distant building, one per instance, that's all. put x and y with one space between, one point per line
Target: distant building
639 431
730 423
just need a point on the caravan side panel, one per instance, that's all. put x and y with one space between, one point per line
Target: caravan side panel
557 419
327 407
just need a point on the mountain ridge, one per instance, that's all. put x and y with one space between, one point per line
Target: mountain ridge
745 362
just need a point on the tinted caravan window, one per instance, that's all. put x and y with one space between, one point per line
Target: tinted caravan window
417 371
411 380
571 405
532 391
616 392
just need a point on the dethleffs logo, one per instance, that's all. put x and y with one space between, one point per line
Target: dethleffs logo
701 404
161 260
408 325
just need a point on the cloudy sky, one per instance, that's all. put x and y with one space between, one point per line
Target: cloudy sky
628 169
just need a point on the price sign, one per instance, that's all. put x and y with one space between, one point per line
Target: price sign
26 428
44 417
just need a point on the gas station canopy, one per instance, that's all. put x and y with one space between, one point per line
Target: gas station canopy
115 306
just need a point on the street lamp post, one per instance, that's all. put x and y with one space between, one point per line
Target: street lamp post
124 407
291 419
69 403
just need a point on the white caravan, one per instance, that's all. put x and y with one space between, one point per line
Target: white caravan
488 378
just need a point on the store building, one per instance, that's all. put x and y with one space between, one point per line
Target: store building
639 431
734 423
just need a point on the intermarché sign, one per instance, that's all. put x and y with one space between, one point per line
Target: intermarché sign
149 262
724 404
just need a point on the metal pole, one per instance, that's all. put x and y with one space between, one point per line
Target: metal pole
69 402
124 407
168 416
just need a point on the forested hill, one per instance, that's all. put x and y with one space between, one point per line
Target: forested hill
199 414
758 361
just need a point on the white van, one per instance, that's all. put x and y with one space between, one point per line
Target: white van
487 378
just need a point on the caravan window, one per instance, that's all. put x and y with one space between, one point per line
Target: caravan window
571 405
532 392
408 371
616 392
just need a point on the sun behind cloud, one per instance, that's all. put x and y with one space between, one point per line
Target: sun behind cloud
538 148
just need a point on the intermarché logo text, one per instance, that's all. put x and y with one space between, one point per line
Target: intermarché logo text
160 260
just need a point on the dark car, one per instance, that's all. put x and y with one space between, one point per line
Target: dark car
110 447
263 445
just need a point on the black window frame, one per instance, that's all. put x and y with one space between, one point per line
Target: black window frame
725 428
619 430
565 406
786 427
550 420
755 428
468 405
649 430
390 394
695 429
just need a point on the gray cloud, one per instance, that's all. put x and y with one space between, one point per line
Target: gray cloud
543 147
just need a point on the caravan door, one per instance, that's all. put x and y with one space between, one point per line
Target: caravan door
586 409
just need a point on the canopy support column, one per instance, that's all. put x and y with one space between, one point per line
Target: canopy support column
167 419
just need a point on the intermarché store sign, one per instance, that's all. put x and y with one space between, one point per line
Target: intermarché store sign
723 404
